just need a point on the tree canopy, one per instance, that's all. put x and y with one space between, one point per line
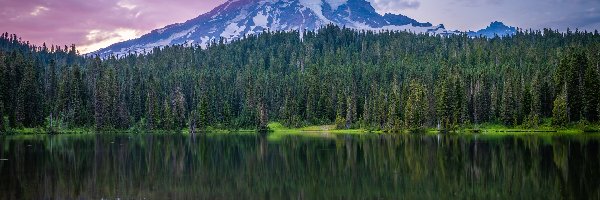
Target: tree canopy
381 80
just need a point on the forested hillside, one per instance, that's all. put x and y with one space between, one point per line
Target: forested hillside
389 81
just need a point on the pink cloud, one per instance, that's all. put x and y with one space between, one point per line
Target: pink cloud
65 22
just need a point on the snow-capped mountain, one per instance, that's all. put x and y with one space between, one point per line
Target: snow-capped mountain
494 29
236 18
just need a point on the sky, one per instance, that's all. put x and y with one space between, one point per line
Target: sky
94 24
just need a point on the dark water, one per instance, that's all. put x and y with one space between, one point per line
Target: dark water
163 166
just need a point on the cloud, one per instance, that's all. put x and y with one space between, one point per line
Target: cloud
478 3
394 6
93 24
126 5
37 10
101 38
586 20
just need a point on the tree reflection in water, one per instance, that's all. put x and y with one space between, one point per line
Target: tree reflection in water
164 166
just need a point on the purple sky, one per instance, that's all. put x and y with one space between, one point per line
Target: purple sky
93 24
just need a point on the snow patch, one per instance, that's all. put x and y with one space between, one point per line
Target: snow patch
167 41
232 31
162 30
336 3
316 6
261 20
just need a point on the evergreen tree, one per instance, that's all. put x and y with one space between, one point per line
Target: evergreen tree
350 108
591 95
509 105
335 75
393 115
536 100
203 113
416 106
51 90
178 109
570 74
78 110
168 122
445 101
123 116
2 126
152 105
29 98
559 112
2 82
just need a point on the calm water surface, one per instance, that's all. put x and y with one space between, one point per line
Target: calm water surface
237 166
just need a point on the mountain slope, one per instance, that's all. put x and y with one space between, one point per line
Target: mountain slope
237 18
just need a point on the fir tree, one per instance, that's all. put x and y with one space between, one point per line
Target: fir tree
28 98
559 112
416 105
591 94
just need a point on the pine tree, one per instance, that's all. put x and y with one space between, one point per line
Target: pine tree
62 102
263 118
460 101
78 111
444 105
570 74
480 102
178 108
536 100
123 116
99 99
50 91
13 78
494 103
416 106
559 112
393 115
350 108
29 99
331 76
2 83
508 104
152 105
2 127
591 95
168 120
107 100
203 113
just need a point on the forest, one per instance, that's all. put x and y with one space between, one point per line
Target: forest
390 81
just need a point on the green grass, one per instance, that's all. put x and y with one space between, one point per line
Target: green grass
541 129
278 127
279 130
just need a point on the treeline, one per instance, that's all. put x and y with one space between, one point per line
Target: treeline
386 80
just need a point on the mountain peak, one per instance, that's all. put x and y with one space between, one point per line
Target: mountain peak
495 29
497 24
236 18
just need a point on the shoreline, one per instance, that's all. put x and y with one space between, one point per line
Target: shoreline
277 128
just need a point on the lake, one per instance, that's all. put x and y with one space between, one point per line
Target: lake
317 166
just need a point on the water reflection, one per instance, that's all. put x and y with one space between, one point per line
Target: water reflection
162 166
